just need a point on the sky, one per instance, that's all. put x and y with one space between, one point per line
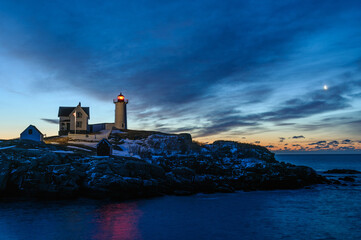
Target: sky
248 71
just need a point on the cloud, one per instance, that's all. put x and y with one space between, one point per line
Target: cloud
285 124
270 146
178 56
52 121
310 104
282 139
354 126
333 143
350 148
296 137
258 142
319 143
223 121
192 63
346 141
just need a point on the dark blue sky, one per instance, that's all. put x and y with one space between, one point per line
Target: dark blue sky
242 70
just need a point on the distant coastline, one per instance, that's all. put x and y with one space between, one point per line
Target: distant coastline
318 153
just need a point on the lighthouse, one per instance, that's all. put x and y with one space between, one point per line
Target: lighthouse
120 112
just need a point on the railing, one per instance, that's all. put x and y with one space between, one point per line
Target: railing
117 100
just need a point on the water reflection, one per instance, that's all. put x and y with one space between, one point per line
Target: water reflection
118 221
322 212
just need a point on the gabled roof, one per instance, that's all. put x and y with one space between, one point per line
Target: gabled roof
106 141
65 111
29 127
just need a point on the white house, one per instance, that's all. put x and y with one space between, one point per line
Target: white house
73 120
32 133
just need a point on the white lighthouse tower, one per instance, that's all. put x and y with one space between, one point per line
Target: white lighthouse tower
120 112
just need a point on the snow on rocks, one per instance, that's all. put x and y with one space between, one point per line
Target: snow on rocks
88 144
118 132
62 151
250 162
3 148
155 144
124 154
79 148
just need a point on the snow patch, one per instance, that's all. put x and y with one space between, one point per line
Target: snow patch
250 162
121 153
62 151
7 147
118 131
79 148
125 153
233 150
88 144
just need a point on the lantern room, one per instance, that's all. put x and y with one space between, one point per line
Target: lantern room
120 98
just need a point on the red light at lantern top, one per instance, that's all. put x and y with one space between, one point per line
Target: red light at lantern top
120 98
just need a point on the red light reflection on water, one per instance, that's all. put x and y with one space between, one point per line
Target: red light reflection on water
118 221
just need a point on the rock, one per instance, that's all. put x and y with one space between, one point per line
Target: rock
156 171
347 178
140 168
184 172
5 168
182 193
225 189
49 159
336 182
119 167
170 164
342 171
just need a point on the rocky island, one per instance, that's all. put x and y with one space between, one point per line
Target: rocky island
143 164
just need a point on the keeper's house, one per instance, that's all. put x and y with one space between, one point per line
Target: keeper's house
73 120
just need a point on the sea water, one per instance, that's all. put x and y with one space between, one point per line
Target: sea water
321 212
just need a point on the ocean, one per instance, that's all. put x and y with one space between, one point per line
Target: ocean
320 212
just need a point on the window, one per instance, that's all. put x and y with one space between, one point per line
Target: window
79 124
30 131
79 114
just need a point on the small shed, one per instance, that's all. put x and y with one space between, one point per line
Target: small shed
32 133
104 148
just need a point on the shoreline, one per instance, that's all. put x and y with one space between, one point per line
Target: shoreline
166 165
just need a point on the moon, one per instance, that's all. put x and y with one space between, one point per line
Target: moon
325 87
